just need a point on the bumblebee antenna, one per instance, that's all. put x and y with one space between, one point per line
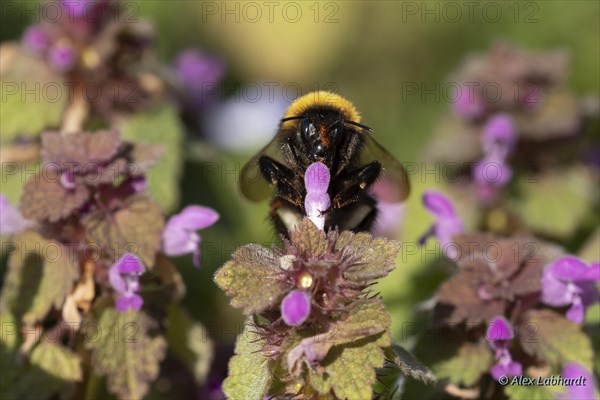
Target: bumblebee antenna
366 128
292 118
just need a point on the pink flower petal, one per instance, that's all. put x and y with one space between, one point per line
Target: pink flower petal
438 204
584 391
568 268
316 178
11 220
295 307
499 329
130 263
193 218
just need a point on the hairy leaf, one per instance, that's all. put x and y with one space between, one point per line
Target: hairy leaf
53 369
249 370
530 392
33 99
351 368
467 365
311 241
81 152
44 198
10 340
128 350
556 340
159 127
566 195
365 320
41 273
252 279
136 227
376 255
189 341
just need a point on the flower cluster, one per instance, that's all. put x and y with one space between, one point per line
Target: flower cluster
498 293
498 141
569 281
93 44
531 133
311 314
89 202
447 222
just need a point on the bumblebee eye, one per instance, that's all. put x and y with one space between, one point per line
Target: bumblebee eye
307 129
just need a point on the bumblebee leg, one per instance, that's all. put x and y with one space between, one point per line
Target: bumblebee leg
359 180
291 155
283 178
349 146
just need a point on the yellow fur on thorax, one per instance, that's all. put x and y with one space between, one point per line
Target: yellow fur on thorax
323 99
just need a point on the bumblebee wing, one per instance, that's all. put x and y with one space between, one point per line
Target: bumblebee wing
392 186
252 183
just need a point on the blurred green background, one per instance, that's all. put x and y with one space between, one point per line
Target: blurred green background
368 51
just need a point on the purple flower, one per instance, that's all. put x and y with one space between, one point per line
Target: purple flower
466 103
500 334
179 236
492 171
446 225
67 180
583 387
317 201
11 220
199 72
36 40
295 307
62 57
124 277
570 281
499 137
498 141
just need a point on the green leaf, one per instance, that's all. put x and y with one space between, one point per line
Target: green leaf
249 370
45 198
567 195
33 97
12 175
52 369
40 275
9 346
189 341
136 227
533 392
351 368
311 241
376 255
252 279
409 365
465 367
368 319
128 350
160 126
555 339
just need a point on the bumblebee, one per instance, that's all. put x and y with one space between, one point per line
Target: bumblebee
324 127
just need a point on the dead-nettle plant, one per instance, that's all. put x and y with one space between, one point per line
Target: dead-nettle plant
515 304
91 64
314 329
89 253
522 143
